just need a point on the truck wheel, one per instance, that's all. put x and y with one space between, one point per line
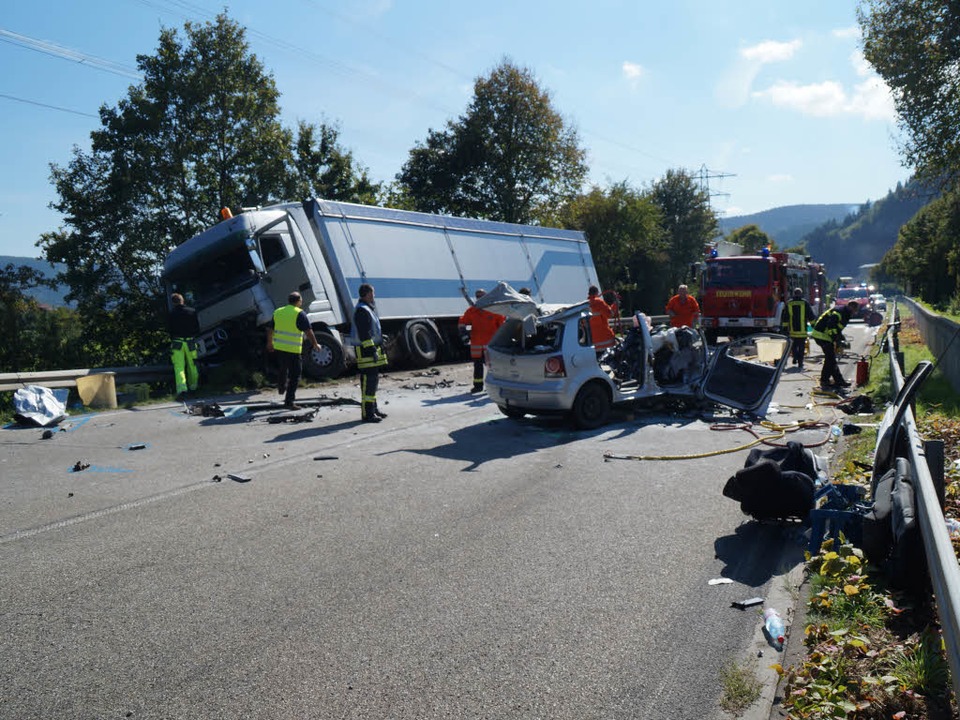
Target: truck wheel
591 408
420 343
327 362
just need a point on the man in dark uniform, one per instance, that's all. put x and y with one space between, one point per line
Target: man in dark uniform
828 331
368 341
796 315
184 328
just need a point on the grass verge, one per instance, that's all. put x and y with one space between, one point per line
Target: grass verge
870 652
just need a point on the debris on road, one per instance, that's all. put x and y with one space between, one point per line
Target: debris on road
80 466
719 581
326 457
750 602
238 478
137 446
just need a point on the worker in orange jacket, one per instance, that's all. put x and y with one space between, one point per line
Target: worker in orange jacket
603 336
483 324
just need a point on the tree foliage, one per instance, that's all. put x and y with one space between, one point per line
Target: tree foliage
926 257
751 238
866 235
914 45
39 336
509 157
627 242
687 219
201 132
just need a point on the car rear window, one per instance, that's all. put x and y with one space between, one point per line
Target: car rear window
548 337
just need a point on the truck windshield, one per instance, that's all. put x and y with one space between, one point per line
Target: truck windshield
728 273
214 276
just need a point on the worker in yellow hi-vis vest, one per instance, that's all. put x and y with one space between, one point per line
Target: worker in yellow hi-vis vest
285 337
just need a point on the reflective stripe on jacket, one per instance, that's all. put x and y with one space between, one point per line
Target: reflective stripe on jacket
828 326
286 336
797 318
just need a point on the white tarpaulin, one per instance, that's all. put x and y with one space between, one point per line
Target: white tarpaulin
38 405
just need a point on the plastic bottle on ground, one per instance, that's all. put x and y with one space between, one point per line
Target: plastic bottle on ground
774 625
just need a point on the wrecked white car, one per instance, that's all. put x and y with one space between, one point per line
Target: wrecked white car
546 364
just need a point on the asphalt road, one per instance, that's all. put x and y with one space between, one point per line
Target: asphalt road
446 563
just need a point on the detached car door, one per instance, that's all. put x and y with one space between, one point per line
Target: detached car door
743 374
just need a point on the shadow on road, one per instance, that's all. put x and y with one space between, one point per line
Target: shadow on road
758 551
501 439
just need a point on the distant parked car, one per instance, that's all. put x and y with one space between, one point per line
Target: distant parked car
547 364
879 302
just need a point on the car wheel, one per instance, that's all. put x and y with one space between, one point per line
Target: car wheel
327 362
591 408
511 412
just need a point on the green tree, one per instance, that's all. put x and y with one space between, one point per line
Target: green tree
687 219
324 169
40 338
751 238
628 246
509 157
913 45
925 257
201 132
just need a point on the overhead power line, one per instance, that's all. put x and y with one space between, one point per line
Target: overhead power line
45 105
49 48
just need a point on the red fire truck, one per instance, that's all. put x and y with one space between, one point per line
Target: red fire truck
742 294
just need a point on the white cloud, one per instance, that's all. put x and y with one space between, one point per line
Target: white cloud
632 72
734 87
870 99
733 211
770 51
847 33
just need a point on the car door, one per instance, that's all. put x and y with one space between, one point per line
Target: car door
743 374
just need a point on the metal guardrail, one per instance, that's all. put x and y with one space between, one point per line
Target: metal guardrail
941 558
68 378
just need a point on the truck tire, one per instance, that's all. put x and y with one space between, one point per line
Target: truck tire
327 362
421 343
591 408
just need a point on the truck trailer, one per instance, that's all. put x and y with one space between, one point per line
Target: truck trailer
424 267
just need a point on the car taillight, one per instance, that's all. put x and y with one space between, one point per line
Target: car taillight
554 368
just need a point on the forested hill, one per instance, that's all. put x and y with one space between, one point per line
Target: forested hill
787 225
866 236
46 296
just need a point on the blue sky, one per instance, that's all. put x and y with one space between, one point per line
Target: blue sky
773 94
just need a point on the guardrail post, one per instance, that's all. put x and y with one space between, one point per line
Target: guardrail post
933 452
